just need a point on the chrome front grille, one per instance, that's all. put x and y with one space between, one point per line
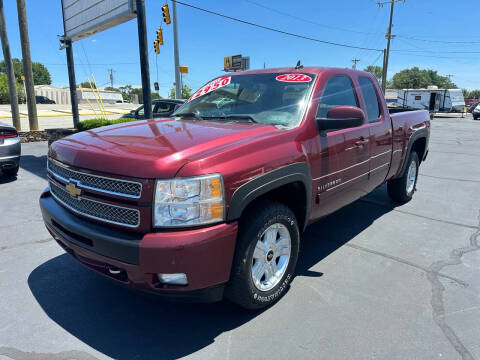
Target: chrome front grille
94 209
129 189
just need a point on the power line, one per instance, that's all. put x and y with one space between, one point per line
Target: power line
276 30
310 21
356 31
436 51
436 56
439 41
375 61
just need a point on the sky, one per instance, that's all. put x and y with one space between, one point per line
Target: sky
205 39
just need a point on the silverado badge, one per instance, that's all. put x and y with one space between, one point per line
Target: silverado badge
73 189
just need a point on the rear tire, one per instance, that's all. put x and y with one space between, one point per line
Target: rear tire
401 189
10 171
265 257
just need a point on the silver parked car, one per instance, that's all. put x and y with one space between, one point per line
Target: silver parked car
9 150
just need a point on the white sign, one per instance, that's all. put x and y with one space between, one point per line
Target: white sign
82 18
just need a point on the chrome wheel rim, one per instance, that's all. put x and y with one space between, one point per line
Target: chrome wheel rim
411 176
271 257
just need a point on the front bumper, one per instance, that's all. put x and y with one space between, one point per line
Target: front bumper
204 254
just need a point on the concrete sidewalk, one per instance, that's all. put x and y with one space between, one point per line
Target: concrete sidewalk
60 116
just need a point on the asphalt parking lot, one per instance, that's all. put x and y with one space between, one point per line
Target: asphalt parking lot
374 281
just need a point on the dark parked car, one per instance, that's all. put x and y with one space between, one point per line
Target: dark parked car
472 107
160 108
43 100
476 112
9 150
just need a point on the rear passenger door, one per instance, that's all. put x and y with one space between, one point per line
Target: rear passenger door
380 132
340 173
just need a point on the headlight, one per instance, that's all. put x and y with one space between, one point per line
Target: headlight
189 201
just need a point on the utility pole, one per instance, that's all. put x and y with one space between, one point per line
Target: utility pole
355 61
111 76
384 74
27 65
178 80
389 36
72 82
144 67
449 76
12 86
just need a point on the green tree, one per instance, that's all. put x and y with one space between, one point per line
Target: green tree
41 75
186 92
416 78
474 94
128 92
375 70
85 85
4 91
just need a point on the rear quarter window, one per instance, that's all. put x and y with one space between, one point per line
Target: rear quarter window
371 99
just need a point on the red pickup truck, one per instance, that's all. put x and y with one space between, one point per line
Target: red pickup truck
212 202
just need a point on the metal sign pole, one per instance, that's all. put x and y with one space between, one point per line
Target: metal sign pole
178 80
144 66
73 83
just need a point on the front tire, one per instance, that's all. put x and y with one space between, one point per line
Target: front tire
266 256
401 189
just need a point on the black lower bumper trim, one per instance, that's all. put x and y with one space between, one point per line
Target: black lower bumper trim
112 243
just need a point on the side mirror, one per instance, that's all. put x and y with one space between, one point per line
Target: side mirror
341 117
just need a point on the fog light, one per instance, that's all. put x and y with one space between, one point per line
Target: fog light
174 279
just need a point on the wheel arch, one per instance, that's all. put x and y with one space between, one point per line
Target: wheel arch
290 185
418 141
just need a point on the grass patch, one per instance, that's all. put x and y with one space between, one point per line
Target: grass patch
99 122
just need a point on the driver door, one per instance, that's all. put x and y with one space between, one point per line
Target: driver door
340 167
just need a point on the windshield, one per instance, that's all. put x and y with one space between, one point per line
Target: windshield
276 99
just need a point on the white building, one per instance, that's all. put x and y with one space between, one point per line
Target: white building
62 95
59 95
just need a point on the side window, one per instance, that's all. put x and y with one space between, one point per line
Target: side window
162 107
338 91
141 110
371 99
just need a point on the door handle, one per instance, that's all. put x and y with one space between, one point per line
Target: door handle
361 142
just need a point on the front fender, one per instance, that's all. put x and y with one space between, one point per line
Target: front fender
253 189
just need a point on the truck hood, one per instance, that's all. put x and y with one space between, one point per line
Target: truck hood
154 148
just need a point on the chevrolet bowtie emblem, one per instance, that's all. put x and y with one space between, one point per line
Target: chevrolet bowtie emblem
73 189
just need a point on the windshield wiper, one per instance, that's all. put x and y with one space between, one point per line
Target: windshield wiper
189 115
232 117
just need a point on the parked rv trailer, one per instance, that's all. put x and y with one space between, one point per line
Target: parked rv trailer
417 99
432 99
452 100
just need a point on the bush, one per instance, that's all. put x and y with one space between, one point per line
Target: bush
99 122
